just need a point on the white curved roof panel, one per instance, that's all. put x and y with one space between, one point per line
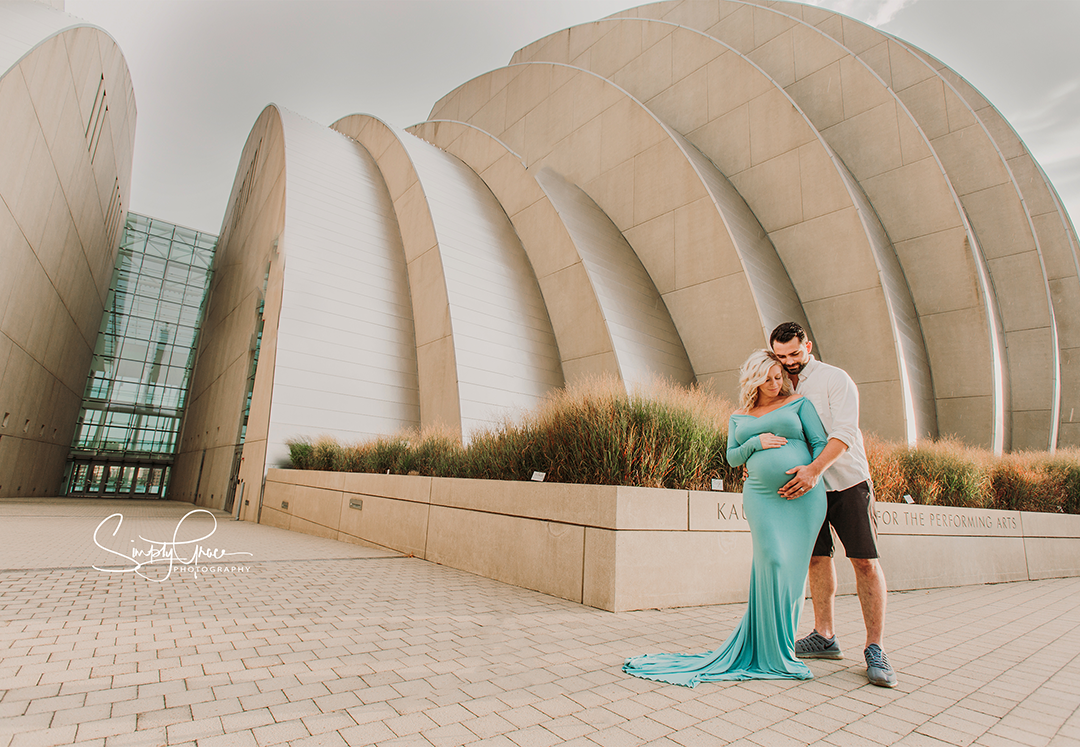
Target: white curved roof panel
24 25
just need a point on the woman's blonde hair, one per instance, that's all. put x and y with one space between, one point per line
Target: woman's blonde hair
753 374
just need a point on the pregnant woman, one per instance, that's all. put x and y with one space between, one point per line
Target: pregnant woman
774 431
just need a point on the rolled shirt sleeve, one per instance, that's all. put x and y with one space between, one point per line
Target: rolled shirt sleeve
836 399
844 406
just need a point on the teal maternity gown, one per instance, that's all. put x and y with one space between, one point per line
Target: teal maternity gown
783 533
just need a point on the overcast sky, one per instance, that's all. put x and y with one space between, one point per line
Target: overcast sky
204 69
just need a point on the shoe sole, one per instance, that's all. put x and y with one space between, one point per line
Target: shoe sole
819 655
883 683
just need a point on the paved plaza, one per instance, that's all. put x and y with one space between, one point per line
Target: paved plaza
308 641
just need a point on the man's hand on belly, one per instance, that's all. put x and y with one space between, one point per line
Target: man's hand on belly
806 477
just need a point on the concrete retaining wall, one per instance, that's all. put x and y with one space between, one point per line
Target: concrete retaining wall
623 548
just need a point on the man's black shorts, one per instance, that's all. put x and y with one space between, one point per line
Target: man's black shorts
851 513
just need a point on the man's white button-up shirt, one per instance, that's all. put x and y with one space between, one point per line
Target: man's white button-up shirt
836 399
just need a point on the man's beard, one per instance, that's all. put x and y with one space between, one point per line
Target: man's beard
796 369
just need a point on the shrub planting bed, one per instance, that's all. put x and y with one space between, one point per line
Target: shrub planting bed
665 436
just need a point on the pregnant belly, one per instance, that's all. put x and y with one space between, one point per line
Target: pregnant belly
768 467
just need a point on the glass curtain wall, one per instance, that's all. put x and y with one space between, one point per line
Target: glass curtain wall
136 389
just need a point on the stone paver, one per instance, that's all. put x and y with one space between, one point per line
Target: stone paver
309 641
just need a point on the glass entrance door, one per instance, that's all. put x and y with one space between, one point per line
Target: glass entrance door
109 479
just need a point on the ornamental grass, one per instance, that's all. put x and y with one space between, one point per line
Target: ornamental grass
595 432
666 436
431 452
934 473
948 473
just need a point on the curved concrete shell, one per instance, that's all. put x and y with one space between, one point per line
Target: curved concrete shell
936 95
657 189
648 195
67 126
311 286
585 345
490 347
643 337
821 222
849 102
606 313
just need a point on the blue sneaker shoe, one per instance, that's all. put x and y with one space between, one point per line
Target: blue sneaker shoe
817 646
878 669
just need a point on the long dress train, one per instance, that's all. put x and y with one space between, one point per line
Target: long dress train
783 533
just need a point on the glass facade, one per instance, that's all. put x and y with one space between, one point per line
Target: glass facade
136 389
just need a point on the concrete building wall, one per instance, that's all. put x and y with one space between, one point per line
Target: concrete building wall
247 271
67 126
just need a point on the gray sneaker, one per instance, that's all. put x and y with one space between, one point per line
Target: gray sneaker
878 669
817 646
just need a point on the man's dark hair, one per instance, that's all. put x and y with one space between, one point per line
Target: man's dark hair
786 332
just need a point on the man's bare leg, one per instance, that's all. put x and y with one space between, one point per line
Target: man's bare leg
870 584
822 577
821 644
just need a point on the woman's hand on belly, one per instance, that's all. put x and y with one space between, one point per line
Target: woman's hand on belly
770 441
